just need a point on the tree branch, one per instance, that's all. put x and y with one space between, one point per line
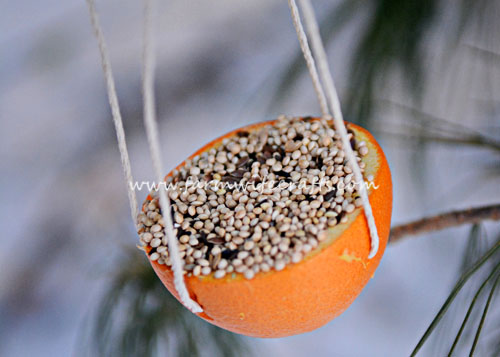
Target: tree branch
445 220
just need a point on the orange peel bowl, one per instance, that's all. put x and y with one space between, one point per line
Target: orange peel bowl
304 295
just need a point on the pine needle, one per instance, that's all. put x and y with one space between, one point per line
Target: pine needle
458 286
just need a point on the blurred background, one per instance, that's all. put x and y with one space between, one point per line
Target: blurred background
423 76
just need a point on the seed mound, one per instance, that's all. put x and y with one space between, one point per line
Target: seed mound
259 201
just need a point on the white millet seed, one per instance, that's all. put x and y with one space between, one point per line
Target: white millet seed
219 274
249 274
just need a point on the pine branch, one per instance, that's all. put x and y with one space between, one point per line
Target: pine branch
446 220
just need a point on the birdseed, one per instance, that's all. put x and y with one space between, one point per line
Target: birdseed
256 203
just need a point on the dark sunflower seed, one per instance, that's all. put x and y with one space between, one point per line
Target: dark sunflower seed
229 254
329 195
254 180
283 173
238 173
241 162
268 148
230 179
309 198
208 177
214 260
353 143
216 240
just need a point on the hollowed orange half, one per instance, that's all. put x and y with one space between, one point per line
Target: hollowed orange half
308 294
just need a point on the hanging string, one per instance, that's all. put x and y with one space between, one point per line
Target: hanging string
333 101
115 109
151 127
154 147
310 62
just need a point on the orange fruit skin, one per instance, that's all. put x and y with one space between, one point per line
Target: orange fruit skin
303 296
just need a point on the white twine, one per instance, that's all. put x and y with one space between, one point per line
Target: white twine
154 147
115 109
333 101
152 135
310 62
